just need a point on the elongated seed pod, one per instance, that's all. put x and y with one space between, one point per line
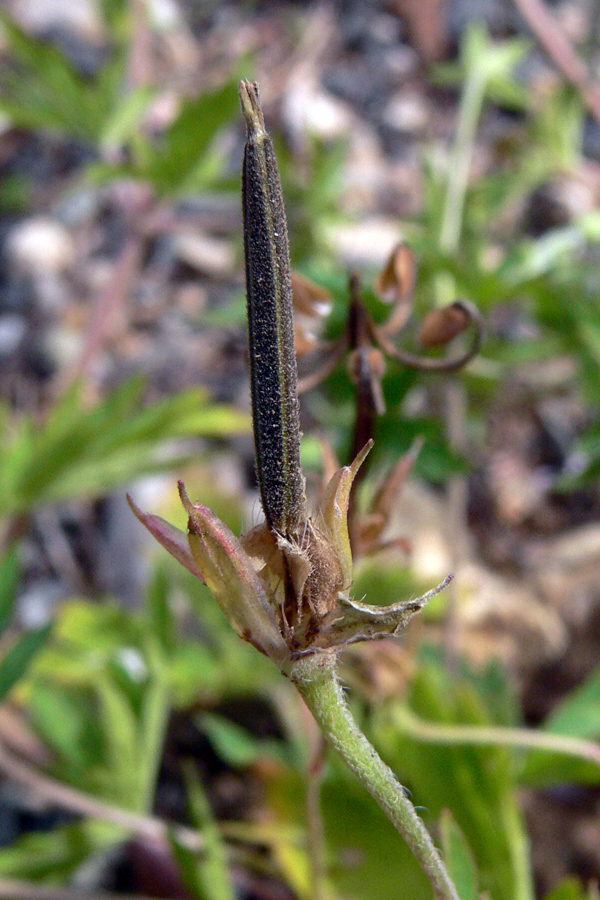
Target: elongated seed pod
273 367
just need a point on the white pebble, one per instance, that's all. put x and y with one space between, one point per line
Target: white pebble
41 246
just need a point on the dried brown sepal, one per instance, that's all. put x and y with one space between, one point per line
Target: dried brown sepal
273 368
330 462
335 511
324 365
230 575
371 527
310 299
442 325
388 492
355 621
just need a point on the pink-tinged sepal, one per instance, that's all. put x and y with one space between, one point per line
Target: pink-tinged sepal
230 575
172 539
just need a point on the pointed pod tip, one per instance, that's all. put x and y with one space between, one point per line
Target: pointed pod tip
187 503
200 518
250 100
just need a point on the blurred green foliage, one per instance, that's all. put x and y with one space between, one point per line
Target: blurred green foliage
476 247
80 451
16 653
42 90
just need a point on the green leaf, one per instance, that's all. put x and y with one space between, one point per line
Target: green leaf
577 716
236 745
171 167
124 756
570 889
16 662
492 61
125 119
42 89
81 451
206 876
365 856
65 718
579 713
9 580
459 858
477 784
161 620
56 854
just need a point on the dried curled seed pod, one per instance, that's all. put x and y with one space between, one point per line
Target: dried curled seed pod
442 325
397 281
273 367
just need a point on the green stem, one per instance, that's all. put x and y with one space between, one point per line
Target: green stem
519 849
492 735
471 104
315 677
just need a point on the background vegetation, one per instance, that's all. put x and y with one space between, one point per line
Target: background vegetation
145 749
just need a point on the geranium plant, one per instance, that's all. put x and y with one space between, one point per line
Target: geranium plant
284 586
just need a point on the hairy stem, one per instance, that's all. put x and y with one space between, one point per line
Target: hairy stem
315 677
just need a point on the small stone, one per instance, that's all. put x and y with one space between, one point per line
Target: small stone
37 604
504 618
165 15
79 16
41 246
367 244
63 345
208 255
308 109
571 549
406 113
12 332
191 299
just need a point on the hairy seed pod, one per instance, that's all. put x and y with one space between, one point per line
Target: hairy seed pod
273 367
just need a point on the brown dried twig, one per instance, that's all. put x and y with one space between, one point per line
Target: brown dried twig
76 801
562 53
27 890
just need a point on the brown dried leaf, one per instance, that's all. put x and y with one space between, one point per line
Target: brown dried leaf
172 539
427 25
372 526
310 299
